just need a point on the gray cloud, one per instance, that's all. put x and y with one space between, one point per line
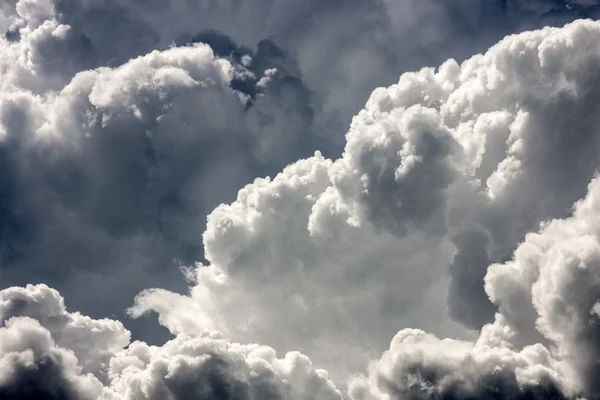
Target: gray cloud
421 366
32 367
119 200
110 162
41 358
116 170
542 343
451 166
108 169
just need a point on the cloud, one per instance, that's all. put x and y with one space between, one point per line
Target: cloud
120 131
449 167
39 359
116 170
328 280
213 368
132 203
93 342
543 341
421 366
34 367
559 271
552 279
337 44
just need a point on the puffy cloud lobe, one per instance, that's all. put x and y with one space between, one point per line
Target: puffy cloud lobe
304 105
421 366
516 149
213 368
48 353
93 342
37 49
449 167
555 273
396 169
329 281
114 169
543 342
32 366
40 359
65 146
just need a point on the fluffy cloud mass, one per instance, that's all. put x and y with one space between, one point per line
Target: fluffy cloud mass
119 166
125 123
457 216
449 167
38 360
543 342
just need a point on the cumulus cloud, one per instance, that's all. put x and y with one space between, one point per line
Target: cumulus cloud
449 167
328 279
338 44
296 73
421 366
117 168
34 367
41 358
545 347
543 341
93 342
123 124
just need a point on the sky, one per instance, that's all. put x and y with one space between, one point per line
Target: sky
299 199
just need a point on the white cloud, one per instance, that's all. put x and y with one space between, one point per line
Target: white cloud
421 366
543 342
329 56
43 355
116 166
453 166
33 366
93 342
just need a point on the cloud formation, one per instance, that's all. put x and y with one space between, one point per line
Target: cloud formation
117 208
543 341
453 166
112 152
116 169
553 273
43 355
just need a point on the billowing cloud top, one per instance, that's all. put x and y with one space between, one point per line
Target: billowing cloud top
485 169
125 123
450 166
45 354
117 166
